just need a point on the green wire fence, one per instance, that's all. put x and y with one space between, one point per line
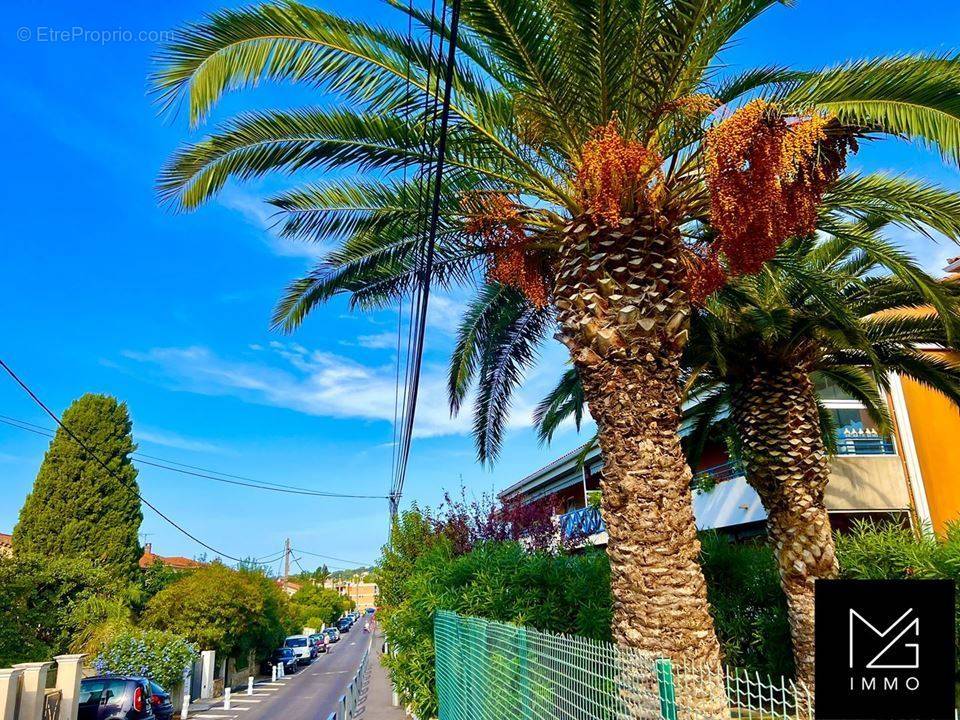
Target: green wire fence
496 671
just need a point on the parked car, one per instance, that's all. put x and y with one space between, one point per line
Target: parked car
302 648
115 697
317 640
371 611
282 656
333 634
344 625
161 702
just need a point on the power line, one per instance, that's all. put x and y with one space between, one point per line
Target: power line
262 560
421 295
200 472
330 557
110 472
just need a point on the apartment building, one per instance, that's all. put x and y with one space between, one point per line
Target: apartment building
364 594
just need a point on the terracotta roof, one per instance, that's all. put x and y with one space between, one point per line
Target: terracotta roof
6 540
178 563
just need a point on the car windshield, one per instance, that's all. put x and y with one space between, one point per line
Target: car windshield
296 642
286 652
97 690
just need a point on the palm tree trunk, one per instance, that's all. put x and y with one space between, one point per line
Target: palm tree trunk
785 461
624 317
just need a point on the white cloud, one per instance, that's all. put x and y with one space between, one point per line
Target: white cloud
173 440
380 341
311 382
262 216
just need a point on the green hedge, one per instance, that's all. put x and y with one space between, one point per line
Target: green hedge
421 573
874 552
748 606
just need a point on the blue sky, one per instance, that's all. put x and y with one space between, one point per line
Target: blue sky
105 291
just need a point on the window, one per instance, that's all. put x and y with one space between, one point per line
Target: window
296 642
93 692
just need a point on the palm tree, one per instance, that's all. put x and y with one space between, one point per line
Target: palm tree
754 354
826 311
585 175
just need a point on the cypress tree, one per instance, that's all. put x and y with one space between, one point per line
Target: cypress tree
77 508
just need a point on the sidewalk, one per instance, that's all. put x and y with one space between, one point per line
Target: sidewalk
379 705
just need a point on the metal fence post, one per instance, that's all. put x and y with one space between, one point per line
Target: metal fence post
666 689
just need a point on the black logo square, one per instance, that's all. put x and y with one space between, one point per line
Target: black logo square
885 650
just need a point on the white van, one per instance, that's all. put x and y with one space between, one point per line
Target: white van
302 648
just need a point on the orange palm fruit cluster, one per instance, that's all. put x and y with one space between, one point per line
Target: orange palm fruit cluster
616 175
705 274
766 175
496 220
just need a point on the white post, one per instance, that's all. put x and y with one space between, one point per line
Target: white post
9 689
283 670
207 659
33 689
226 698
273 673
250 685
68 683
185 710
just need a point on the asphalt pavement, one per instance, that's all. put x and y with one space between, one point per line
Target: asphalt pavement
310 694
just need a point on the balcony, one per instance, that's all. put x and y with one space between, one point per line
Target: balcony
578 525
848 443
855 443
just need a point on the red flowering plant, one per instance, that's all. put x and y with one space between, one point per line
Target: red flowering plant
469 522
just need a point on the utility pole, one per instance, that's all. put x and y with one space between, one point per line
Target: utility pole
286 564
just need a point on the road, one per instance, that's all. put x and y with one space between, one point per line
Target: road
311 694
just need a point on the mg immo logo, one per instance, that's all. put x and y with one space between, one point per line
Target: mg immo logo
898 662
896 652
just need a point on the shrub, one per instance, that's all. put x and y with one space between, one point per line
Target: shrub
40 597
748 605
161 656
886 551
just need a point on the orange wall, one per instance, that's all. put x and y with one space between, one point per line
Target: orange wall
936 431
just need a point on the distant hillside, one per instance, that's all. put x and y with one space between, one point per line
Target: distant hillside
350 574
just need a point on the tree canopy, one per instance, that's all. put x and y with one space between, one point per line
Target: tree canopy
77 508
217 608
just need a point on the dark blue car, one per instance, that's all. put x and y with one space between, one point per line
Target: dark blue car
116 697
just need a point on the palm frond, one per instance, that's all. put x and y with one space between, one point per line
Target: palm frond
512 347
494 306
913 96
564 401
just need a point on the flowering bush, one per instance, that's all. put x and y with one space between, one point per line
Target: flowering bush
470 522
160 656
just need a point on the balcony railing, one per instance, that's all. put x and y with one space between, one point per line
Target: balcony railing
716 474
581 523
866 444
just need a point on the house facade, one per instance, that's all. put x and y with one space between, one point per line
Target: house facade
910 476
364 594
